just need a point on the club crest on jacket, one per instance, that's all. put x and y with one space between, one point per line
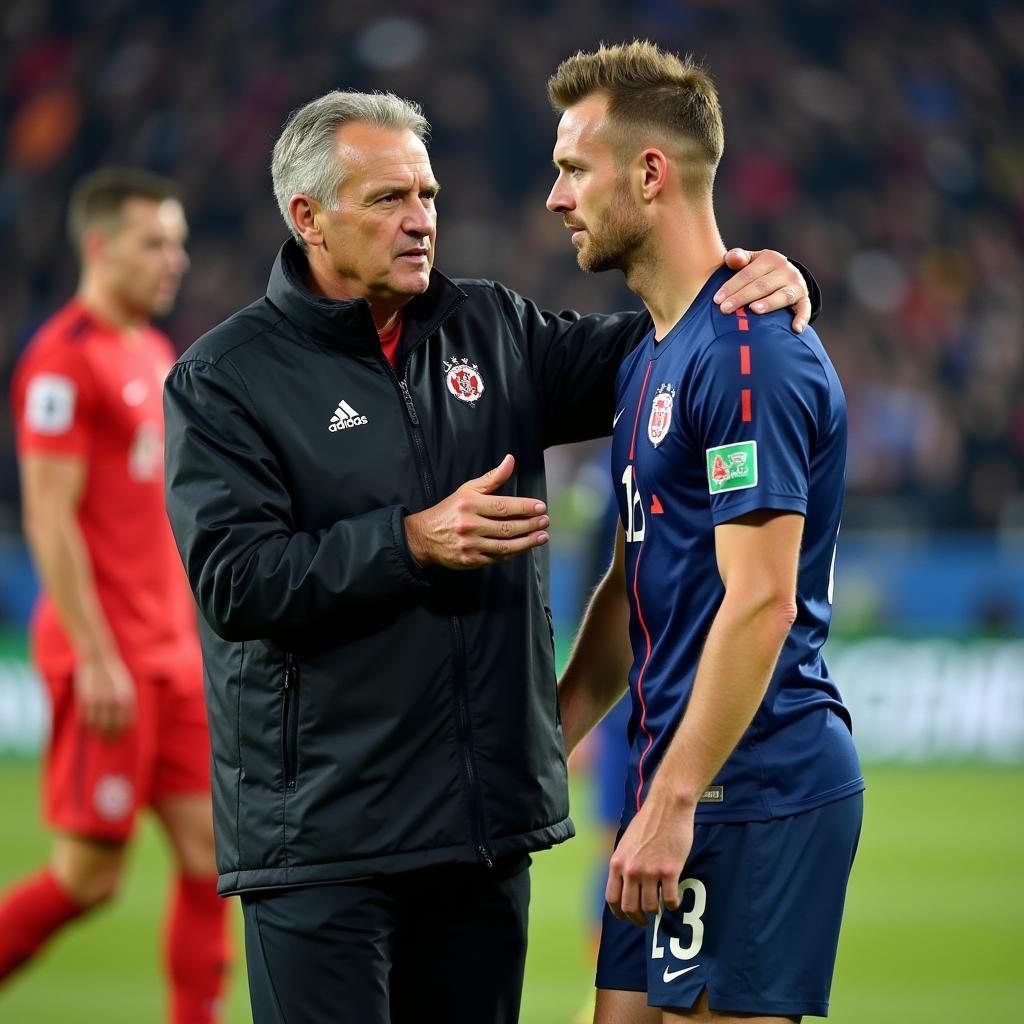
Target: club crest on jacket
464 379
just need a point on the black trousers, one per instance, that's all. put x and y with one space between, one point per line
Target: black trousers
440 944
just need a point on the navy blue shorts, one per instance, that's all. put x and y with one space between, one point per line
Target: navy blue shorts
758 927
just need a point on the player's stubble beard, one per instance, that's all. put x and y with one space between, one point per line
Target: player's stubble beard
146 296
621 234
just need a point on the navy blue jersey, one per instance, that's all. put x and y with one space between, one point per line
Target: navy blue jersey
726 415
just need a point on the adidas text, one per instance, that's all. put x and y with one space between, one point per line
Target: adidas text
351 421
344 417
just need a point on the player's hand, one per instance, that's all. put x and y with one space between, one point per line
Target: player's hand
766 281
474 526
649 859
105 694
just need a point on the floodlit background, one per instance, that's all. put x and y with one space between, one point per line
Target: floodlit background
879 143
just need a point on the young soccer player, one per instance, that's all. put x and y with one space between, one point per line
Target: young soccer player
744 797
114 633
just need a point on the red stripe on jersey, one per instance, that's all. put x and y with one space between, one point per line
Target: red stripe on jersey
640 677
745 360
745 401
639 406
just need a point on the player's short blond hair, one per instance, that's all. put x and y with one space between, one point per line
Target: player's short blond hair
97 200
649 91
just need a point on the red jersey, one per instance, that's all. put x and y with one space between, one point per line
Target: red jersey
85 388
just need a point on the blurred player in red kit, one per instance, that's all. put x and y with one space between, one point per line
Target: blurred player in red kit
114 632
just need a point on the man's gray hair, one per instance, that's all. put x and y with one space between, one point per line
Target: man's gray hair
305 158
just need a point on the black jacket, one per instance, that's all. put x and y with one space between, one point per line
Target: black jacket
367 716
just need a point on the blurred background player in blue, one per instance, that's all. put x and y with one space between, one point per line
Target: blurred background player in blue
743 805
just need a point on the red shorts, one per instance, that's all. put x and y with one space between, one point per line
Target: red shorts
94 786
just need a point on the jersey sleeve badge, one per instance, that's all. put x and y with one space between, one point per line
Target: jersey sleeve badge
661 414
50 404
732 467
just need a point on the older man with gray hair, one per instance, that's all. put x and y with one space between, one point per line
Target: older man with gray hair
387 748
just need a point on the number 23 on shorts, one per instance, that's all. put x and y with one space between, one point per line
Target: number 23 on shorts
692 918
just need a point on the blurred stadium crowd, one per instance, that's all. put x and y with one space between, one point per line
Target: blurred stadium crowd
885 153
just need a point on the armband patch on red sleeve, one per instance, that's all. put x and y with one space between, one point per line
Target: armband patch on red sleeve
50 404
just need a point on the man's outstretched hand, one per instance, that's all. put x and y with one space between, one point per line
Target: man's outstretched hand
473 526
766 281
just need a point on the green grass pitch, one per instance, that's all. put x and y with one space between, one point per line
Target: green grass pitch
934 928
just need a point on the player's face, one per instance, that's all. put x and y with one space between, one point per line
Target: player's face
380 240
144 257
592 191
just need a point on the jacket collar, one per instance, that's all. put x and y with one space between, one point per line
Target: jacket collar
348 323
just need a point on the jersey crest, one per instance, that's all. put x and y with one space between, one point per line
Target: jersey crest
661 414
464 379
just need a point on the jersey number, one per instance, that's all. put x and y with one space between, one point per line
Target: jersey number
691 917
635 521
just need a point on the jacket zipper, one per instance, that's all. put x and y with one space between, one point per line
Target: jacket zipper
290 722
417 440
462 710
454 623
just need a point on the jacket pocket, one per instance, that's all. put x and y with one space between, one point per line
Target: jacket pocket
290 722
554 660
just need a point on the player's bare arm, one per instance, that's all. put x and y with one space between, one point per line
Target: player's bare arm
473 526
52 488
757 557
598 668
765 281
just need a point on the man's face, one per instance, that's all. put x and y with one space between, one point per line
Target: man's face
143 255
592 193
379 243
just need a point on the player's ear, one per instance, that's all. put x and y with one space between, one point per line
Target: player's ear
305 213
93 244
653 172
